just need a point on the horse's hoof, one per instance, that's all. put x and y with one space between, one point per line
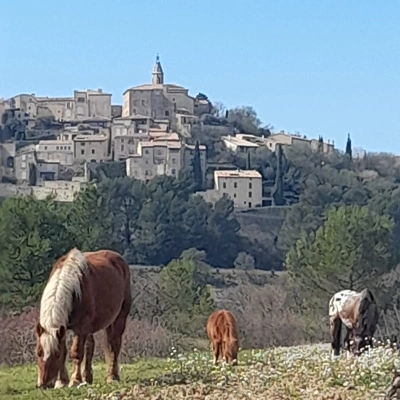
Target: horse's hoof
60 384
74 383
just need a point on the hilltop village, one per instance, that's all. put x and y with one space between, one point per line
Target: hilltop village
53 145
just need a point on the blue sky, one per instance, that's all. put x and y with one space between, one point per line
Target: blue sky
315 67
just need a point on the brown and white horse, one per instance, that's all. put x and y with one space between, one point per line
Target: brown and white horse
86 293
358 312
223 333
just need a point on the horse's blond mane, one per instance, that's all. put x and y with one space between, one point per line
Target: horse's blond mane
56 303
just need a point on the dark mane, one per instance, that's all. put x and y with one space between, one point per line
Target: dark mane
367 314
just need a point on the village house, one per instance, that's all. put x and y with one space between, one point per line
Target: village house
243 187
155 158
56 151
242 142
91 148
163 155
237 144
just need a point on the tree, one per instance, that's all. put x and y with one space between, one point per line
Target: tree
223 240
32 238
348 146
278 187
248 162
196 163
86 222
350 251
244 261
244 119
32 174
185 297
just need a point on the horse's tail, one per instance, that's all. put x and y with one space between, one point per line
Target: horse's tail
367 313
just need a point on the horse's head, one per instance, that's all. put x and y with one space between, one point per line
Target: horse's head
359 343
48 355
231 351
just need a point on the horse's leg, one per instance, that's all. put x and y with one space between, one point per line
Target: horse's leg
87 361
77 353
62 377
113 342
347 342
335 328
217 351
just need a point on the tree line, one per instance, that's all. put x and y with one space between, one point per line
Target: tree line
149 223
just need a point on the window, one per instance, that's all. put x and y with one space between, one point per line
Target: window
224 185
143 103
122 147
93 151
173 171
82 151
234 195
81 99
82 143
250 194
146 152
174 161
235 184
45 147
249 204
56 147
166 113
250 185
122 140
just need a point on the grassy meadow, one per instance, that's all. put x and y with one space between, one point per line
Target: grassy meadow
303 372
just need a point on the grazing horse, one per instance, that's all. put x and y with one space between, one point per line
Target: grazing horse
86 293
223 333
359 314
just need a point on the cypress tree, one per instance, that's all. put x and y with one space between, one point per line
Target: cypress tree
197 173
248 163
278 188
348 146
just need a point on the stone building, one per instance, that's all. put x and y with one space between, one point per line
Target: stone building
82 105
163 156
243 187
160 100
23 162
7 160
91 148
56 151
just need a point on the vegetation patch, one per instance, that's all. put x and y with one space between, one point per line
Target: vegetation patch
303 372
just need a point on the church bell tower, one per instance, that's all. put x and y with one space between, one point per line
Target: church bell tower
157 77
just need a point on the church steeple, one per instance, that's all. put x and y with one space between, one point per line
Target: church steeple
157 74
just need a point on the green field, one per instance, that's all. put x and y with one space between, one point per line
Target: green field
304 372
